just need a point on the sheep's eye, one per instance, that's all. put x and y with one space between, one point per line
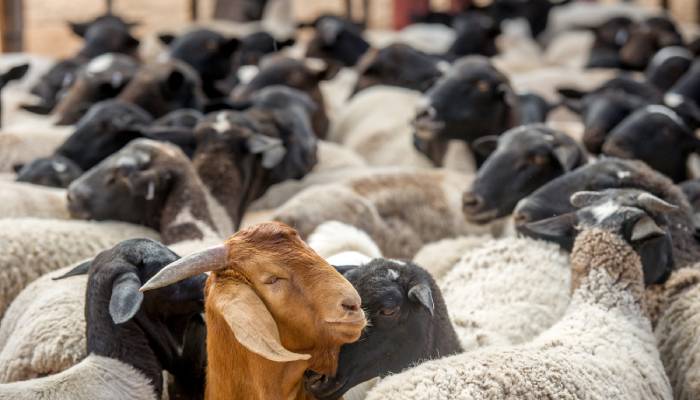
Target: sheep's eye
538 159
389 311
270 280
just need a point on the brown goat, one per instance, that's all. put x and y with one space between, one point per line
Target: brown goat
274 309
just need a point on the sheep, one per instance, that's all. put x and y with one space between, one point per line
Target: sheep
22 145
105 34
519 161
506 291
100 79
667 66
302 75
676 327
375 124
603 347
409 321
261 293
25 200
189 219
14 73
32 247
607 173
401 211
151 184
440 256
164 86
638 137
333 238
131 337
208 52
240 154
473 99
56 171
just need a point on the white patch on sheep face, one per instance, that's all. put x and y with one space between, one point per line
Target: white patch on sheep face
392 274
673 99
58 167
222 123
246 73
623 174
100 64
657 109
151 191
604 211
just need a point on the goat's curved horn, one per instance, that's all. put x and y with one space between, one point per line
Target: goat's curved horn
211 259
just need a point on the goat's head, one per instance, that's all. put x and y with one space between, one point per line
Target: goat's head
269 292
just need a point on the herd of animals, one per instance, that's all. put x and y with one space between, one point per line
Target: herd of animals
501 203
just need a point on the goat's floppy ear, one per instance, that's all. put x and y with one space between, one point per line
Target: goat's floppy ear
80 269
126 298
252 324
272 149
423 295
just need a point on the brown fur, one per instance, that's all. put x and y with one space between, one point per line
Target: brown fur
310 293
596 248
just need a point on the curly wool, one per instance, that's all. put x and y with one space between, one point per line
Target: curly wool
43 330
27 200
507 291
96 377
31 247
439 257
678 332
400 211
602 348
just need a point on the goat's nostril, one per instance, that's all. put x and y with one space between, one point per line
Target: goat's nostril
350 305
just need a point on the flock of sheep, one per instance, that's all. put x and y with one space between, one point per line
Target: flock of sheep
501 203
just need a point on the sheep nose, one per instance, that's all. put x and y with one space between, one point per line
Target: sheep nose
472 201
77 201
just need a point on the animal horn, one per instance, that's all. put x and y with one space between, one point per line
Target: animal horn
652 203
211 259
585 198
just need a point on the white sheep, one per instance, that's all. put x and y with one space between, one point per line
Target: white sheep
400 211
507 291
31 247
21 144
677 332
343 244
439 257
28 330
26 200
602 348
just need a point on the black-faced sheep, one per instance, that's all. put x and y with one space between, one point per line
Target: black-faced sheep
131 336
603 347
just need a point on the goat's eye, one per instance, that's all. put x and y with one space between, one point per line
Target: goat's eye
270 280
389 311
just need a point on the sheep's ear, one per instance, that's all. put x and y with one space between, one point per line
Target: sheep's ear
16 72
252 324
567 154
272 149
80 269
585 198
485 145
652 203
126 298
79 28
556 229
41 109
166 38
646 228
422 294
344 269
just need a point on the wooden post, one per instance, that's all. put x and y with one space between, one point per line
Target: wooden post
10 25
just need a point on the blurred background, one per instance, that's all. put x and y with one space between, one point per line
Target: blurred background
39 26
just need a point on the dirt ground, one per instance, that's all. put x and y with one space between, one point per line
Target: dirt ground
47 33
